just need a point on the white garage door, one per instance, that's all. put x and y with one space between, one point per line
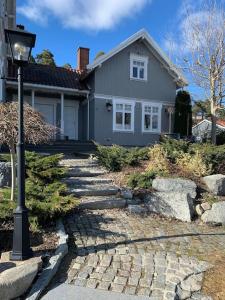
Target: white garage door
47 111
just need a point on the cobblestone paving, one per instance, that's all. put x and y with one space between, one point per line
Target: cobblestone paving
139 255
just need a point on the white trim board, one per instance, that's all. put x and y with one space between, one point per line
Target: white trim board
179 77
48 87
122 101
159 114
137 100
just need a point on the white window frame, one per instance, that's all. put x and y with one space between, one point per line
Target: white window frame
159 114
144 59
122 101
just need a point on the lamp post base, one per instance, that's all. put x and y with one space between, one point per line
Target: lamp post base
21 240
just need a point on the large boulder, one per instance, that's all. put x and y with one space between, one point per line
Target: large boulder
216 214
175 185
15 282
215 184
5 174
171 204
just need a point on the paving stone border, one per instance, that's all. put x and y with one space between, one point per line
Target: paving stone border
54 263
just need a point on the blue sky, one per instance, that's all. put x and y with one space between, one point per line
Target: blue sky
64 25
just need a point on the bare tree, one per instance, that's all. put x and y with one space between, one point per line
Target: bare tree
36 131
199 50
203 34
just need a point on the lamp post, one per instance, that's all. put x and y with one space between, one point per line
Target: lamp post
20 43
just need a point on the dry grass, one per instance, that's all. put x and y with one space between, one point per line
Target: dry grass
214 279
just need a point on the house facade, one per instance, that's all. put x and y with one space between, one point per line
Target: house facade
124 97
203 129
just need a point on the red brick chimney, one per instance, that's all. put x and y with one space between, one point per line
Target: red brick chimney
82 59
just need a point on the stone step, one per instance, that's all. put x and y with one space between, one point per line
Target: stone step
85 172
101 202
94 190
72 181
79 164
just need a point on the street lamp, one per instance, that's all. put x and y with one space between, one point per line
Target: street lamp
20 43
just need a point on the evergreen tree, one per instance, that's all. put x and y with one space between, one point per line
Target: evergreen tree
100 53
46 58
32 60
67 66
183 114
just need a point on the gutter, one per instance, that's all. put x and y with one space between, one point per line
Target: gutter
48 87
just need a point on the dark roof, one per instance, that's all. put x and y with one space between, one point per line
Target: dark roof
49 75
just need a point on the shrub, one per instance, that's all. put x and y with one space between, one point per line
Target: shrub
212 155
114 158
143 180
193 164
159 164
45 193
220 138
174 147
134 156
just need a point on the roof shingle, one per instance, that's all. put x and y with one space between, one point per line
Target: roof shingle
49 75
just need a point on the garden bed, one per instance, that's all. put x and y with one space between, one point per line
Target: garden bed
42 242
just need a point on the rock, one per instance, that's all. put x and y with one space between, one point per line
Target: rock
215 184
136 209
5 174
127 194
216 214
175 185
14 282
171 204
199 210
206 206
192 283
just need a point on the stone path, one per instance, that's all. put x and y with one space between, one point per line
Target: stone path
89 182
113 250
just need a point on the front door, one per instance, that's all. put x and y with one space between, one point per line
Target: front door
70 122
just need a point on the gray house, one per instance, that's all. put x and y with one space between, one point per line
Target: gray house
202 130
124 97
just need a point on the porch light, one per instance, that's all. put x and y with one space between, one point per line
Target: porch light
20 43
109 106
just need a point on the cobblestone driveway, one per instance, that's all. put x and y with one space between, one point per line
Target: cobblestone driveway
143 255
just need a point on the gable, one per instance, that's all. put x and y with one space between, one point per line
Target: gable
113 76
143 36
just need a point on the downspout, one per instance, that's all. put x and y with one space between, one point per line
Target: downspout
88 117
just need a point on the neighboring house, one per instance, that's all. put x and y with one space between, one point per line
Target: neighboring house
203 129
124 97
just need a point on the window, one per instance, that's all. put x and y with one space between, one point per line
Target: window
151 117
123 115
138 67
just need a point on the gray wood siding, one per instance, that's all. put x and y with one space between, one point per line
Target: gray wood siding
113 77
103 130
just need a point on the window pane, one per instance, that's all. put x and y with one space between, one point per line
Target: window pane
142 73
127 122
119 120
154 122
134 62
127 107
155 109
135 72
142 64
147 122
119 106
148 109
